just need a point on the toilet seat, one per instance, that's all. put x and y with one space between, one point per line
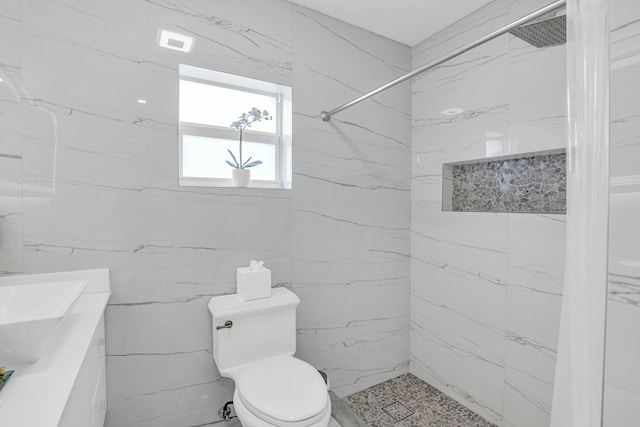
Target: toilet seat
283 391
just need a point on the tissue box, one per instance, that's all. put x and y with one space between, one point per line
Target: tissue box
253 284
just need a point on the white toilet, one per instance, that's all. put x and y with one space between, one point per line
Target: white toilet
253 344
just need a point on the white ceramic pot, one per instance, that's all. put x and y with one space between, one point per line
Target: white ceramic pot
240 177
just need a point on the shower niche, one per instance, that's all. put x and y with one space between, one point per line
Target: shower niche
523 183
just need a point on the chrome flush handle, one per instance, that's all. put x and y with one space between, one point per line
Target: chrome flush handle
227 325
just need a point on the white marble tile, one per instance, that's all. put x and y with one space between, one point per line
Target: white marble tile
454 330
520 8
458 274
534 295
448 370
477 24
622 349
440 138
11 232
621 407
131 332
197 402
623 309
322 48
10 143
455 84
537 98
622 376
457 312
350 204
355 354
447 273
537 122
536 252
625 121
527 399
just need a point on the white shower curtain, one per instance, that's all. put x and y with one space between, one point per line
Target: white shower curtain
577 399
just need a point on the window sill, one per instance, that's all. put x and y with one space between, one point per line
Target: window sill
226 183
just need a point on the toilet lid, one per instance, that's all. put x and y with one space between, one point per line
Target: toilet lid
282 388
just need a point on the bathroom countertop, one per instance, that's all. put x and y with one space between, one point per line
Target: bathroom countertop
37 393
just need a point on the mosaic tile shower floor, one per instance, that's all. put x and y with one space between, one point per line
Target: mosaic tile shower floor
407 401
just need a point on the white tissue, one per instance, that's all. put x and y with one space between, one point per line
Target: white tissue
255 265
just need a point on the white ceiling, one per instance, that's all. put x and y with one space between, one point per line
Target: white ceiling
406 21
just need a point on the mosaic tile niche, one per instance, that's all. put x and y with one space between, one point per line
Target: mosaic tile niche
529 183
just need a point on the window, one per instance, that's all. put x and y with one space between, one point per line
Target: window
209 102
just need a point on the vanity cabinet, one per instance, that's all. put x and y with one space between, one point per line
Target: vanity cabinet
87 404
66 386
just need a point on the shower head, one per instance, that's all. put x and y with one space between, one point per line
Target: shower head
551 31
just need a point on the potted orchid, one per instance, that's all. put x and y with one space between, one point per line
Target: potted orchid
240 174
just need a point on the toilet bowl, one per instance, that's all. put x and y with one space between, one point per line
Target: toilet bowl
253 344
280 391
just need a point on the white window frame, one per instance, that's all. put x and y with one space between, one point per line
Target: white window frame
281 139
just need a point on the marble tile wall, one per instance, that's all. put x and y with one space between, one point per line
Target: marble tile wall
486 287
91 182
622 376
10 147
351 200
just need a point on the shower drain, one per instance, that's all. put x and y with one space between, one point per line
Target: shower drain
397 411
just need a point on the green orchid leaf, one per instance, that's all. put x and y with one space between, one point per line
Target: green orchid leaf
247 161
252 164
237 165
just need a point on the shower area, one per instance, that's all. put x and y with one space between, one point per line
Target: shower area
489 224
487 279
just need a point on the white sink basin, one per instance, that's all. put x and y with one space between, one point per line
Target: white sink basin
30 315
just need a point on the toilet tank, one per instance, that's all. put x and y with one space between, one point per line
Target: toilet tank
261 328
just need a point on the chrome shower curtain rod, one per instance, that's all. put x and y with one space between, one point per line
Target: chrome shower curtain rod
326 115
